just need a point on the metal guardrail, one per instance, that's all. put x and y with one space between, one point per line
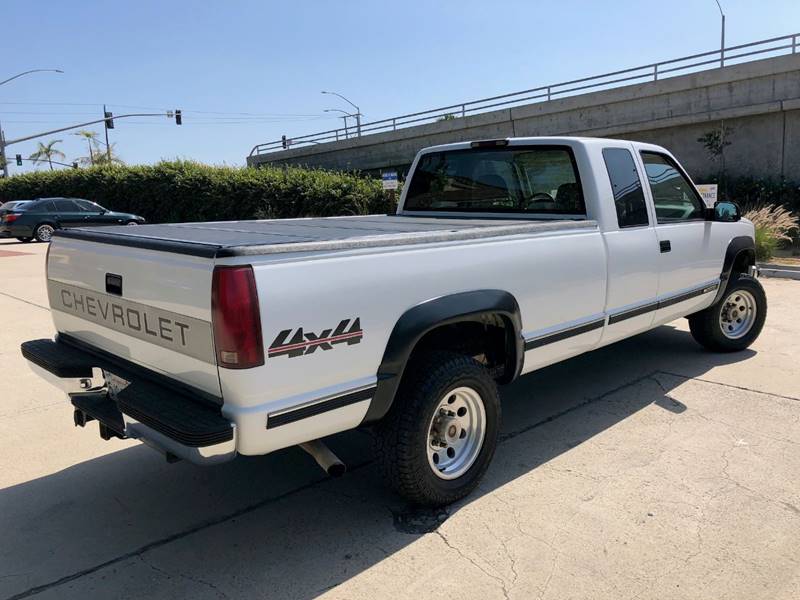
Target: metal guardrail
650 72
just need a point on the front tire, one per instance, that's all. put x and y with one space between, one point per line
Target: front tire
733 323
43 232
439 437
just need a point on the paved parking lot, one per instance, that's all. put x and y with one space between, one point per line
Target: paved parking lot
649 469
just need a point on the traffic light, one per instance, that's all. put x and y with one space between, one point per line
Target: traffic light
109 120
284 142
178 119
19 160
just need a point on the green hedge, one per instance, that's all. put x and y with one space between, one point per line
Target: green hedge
180 191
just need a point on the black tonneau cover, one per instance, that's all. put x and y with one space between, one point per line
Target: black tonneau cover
237 238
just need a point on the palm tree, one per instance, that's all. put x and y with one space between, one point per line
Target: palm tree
91 140
107 156
46 153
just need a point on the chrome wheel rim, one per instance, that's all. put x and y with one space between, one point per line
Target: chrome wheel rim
456 432
131 224
45 232
737 315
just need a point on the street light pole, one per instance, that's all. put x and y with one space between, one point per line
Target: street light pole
2 135
105 126
344 118
722 40
358 110
3 152
31 71
79 125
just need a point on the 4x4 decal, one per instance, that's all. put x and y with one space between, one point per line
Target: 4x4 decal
302 342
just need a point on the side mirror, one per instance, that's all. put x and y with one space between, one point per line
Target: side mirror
724 212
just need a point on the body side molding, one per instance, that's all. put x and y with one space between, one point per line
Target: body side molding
423 318
663 303
563 334
318 407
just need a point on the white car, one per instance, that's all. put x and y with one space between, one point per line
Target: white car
208 340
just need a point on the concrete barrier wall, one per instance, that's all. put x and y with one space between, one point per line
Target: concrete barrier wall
758 101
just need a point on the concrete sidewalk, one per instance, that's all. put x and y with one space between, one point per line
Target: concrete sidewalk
648 469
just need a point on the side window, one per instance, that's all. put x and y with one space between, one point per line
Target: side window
44 206
87 206
628 193
65 206
674 197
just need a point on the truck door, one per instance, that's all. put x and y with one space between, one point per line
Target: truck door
632 249
690 248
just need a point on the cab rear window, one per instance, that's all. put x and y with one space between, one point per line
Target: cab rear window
520 179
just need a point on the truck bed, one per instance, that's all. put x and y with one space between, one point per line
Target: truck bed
238 238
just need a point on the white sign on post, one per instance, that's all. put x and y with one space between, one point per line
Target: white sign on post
389 180
708 191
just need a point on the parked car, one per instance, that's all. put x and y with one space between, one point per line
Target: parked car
29 220
208 340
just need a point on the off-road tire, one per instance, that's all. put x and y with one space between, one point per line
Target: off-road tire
705 325
402 437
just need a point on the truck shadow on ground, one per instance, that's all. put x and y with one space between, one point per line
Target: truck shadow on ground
275 525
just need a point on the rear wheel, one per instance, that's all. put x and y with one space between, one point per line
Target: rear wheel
440 435
43 232
736 321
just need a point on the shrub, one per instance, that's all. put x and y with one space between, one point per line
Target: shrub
773 224
183 191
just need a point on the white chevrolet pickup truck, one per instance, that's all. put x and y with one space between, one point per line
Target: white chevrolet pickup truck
208 340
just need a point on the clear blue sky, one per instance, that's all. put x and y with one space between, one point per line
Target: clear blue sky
218 60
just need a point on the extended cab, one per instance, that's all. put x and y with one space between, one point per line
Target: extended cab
208 340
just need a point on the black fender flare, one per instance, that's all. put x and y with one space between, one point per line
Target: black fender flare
426 316
741 246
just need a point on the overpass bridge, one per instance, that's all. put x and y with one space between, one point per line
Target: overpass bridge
753 89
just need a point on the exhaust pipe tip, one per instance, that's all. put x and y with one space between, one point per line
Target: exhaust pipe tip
337 469
325 458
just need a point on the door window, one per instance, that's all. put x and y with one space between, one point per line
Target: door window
675 198
87 206
44 206
66 206
627 187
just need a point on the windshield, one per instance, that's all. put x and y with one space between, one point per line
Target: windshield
532 179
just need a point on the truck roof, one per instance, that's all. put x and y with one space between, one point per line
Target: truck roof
247 238
568 140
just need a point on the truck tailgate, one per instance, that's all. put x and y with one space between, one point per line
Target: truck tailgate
149 307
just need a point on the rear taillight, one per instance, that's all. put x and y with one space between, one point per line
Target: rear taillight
236 319
10 218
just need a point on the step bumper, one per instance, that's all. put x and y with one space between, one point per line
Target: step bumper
129 405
